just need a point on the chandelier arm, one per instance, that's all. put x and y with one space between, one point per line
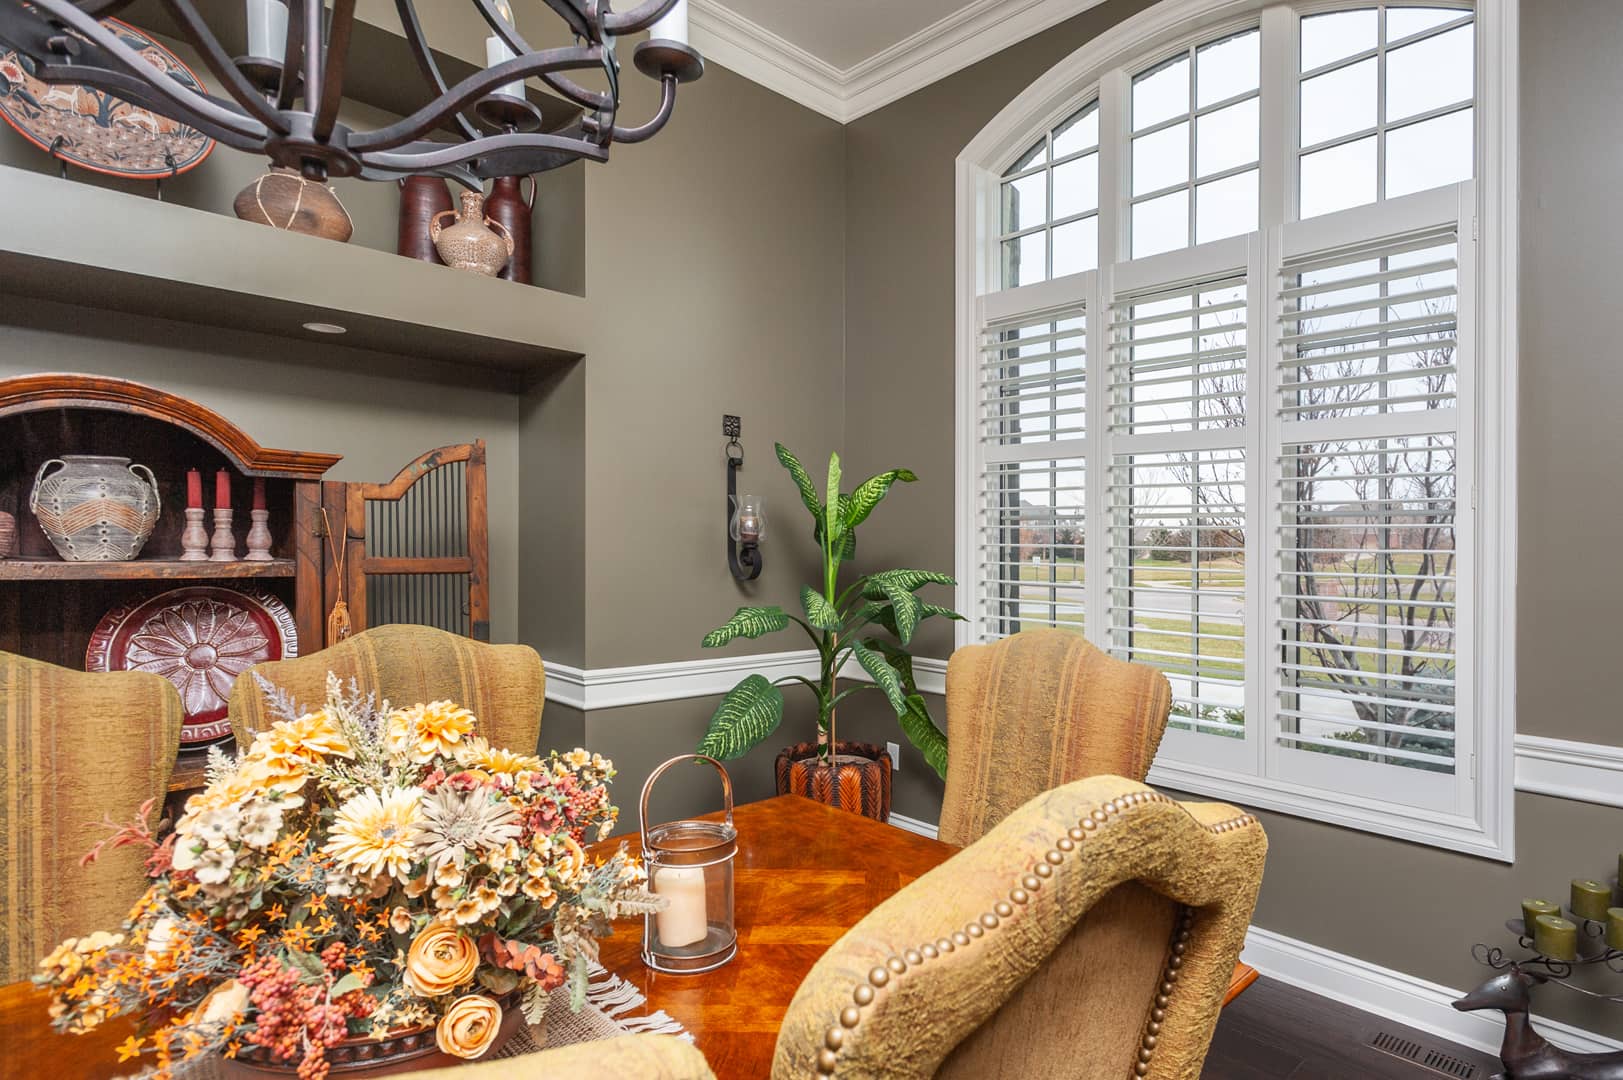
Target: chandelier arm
638 18
314 53
667 102
332 88
425 59
580 95
469 90
447 154
287 83
235 83
174 95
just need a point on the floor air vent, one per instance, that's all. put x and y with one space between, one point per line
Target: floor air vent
1434 1060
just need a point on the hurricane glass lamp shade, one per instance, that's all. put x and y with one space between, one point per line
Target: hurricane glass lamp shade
267 28
748 524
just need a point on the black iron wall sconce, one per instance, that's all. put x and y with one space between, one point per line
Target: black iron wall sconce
746 514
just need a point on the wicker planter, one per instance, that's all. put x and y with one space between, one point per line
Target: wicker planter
401 1052
858 781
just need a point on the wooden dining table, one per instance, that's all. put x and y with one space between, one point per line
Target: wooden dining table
805 874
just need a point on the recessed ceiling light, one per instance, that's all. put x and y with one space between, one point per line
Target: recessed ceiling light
326 328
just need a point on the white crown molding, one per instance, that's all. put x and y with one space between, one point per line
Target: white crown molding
1588 772
1400 998
641 684
968 35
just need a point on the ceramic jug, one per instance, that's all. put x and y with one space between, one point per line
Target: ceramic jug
471 244
95 509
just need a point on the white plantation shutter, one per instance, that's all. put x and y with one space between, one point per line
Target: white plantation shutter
1372 542
1032 479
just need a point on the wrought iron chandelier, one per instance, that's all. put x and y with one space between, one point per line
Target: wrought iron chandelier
287 108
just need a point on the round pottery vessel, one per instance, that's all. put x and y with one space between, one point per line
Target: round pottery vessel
8 535
95 509
858 780
471 244
285 200
400 1052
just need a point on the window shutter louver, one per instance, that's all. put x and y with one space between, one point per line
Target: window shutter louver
1032 486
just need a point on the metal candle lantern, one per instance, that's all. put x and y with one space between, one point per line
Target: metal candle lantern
690 864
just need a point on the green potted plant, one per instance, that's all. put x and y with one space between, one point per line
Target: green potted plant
870 620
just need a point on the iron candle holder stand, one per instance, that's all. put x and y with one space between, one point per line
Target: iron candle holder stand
743 556
1592 952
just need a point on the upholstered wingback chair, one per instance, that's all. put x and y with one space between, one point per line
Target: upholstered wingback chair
74 748
1091 934
502 684
1040 709
629 1057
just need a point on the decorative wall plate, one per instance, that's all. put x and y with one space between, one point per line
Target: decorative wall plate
97 131
199 638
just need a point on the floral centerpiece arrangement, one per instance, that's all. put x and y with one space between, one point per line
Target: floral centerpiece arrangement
361 870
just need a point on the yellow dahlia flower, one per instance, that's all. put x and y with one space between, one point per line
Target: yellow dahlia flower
309 738
477 753
377 834
424 731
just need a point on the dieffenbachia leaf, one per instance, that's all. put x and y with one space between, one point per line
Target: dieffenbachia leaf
833 522
803 480
881 613
748 622
819 612
883 675
911 580
899 658
922 733
848 543
870 491
748 714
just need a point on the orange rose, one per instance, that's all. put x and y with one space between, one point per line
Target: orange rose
469 1026
441 959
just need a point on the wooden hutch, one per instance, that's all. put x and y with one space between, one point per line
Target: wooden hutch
49 607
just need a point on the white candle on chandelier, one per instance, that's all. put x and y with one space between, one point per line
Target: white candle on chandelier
673 25
498 51
267 29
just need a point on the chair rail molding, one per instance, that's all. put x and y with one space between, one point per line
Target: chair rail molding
642 684
1587 772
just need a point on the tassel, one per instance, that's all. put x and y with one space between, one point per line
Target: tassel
338 623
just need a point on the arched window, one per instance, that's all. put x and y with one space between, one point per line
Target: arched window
1229 395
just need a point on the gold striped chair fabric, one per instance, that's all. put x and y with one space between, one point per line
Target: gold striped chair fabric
1040 709
1090 934
503 685
629 1057
75 748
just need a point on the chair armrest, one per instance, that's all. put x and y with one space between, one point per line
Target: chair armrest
896 994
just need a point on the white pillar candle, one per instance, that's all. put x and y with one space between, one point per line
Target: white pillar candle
673 25
267 28
497 51
683 922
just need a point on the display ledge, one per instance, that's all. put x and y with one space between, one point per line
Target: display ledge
98 248
140 570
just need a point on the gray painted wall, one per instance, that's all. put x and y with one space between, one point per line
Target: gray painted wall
1409 907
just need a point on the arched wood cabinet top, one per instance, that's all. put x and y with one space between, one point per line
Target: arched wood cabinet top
36 393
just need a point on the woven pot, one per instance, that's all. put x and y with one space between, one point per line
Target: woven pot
400 1052
858 780
8 535
285 200
95 509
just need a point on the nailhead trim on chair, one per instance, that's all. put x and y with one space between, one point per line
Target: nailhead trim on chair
864 994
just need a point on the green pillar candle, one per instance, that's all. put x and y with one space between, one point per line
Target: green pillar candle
1614 927
1590 899
1555 937
1532 909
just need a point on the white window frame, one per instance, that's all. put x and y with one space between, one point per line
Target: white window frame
1103 68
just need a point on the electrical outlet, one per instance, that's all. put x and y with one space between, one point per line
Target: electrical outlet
895 753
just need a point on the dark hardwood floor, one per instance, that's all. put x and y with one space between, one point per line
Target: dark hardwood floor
1277 1032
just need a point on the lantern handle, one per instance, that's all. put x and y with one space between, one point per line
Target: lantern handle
648 786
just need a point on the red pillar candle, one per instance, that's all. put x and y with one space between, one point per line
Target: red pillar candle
259 493
194 490
222 490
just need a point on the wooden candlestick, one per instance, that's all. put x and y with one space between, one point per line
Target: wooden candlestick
194 539
222 545
259 537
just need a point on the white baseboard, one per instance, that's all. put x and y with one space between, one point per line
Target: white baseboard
1396 996
913 825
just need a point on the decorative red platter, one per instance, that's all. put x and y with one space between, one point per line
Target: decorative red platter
93 129
199 638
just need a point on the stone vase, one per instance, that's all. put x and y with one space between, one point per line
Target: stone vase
95 509
471 243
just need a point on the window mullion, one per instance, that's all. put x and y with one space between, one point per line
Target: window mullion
1114 149
1281 126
